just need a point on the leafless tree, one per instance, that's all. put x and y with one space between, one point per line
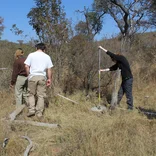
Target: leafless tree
1 26
152 13
92 23
83 60
129 15
49 21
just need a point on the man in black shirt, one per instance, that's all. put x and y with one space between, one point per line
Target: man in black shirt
127 78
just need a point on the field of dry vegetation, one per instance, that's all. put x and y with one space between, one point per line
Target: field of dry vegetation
81 131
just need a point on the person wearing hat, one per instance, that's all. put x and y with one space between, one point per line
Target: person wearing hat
19 78
127 78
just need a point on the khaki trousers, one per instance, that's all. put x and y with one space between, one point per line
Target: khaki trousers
37 92
21 93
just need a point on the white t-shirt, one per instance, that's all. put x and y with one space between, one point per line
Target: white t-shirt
39 62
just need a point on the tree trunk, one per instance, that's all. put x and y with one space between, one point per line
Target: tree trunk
115 89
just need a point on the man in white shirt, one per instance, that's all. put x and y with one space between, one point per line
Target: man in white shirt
39 70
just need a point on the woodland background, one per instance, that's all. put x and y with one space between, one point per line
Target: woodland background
74 52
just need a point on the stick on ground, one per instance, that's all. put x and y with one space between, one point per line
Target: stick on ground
18 110
34 123
26 153
67 98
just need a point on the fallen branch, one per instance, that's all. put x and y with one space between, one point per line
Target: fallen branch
5 142
34 123
13 115
67 98
26 153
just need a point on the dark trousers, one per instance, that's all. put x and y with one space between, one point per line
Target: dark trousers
126 88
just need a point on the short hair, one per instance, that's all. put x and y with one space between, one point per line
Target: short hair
20 49
117 53
40 46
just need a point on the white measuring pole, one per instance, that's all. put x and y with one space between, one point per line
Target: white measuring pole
99 75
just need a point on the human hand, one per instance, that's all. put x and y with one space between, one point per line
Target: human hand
11 86
105 50
101 70
48 83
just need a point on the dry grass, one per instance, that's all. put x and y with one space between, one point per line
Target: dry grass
82 132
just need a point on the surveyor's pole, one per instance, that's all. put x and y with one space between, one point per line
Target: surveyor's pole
99 75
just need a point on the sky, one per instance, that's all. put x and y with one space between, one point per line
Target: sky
15 12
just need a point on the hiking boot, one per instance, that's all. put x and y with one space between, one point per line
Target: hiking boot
39 114
39 117
112 107
30 114
130 108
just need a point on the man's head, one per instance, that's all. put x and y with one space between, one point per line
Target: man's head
40 46
19 52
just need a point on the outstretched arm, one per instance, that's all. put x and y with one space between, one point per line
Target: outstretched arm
112 55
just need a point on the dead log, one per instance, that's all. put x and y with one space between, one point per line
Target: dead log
35 123
26 153
18 110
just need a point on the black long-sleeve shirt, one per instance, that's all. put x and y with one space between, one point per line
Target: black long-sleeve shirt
121 63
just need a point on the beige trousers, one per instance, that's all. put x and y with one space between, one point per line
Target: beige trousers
37 92
21 93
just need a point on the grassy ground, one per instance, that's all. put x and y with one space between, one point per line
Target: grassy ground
82 132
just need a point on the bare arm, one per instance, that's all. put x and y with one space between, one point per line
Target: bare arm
112 55
14 73
49 77
27 68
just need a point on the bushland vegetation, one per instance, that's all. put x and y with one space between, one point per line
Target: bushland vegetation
82 131
75 75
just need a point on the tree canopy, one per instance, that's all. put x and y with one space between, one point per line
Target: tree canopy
1 26
48 20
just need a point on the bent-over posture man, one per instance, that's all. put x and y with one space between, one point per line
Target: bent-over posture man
127 78
19 78
38 66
